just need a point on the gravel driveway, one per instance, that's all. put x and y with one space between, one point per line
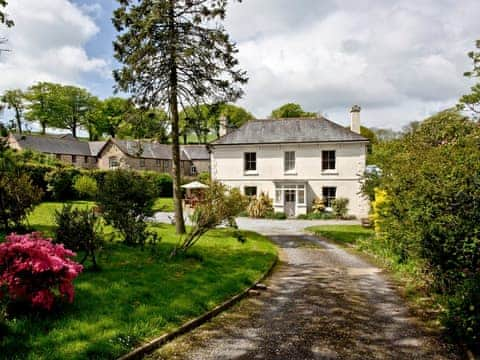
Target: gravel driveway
321 303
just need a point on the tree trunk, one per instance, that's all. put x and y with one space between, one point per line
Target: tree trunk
18 117
74 129
177 190
44 127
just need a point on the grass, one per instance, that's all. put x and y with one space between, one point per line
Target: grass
347 234
163 205
138 295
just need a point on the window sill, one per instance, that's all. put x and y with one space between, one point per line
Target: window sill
290 173
329 172
250 173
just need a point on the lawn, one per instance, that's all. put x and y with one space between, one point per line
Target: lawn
348 234
138 295
163 205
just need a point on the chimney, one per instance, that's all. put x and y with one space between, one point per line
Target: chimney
223 125
355 119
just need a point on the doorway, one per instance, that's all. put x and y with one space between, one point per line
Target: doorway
290 203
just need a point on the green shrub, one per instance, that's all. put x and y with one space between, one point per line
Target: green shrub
37 173
318 205
219 206
126 200
340 208
98 175
243 213
60 183
86 187
462 315
260 206
276 216
302 217
320 216
161 182
79 230
204 177
18 196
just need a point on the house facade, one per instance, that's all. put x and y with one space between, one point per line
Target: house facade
112 154
295 161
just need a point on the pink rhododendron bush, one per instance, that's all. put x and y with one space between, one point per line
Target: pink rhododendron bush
33 269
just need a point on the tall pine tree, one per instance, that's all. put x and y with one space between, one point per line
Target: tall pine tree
175 53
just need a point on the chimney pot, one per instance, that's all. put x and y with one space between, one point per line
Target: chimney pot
355 118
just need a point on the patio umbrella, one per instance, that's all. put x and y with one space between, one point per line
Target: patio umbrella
195 185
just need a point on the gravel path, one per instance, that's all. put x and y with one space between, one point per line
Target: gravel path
321 303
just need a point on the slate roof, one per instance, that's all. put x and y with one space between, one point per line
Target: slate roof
53 145
144 149
196 152
151 150
96 147
292 130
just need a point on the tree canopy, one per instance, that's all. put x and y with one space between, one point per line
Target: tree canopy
4 19
291 110
471 101
15 100
40 103
175 53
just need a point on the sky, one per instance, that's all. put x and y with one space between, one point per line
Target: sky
400 60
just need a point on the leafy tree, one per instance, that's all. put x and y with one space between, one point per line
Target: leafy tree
220 205
204 119
71 108
176 52
41 98
113 111
126 199
79 230
236 116
431 211
18 196
4 20
385 134
145 124
15 100
471 102
291 110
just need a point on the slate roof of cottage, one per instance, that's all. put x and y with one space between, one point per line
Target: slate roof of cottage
151 150
53 144
196 152
292 130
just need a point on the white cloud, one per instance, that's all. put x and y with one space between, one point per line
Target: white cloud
48 44
401 61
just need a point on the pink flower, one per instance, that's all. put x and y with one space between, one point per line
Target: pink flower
32 266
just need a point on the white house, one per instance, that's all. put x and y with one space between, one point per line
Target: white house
294 161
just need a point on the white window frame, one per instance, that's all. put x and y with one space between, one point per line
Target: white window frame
246 162
328 170
300 194
288 161
113 162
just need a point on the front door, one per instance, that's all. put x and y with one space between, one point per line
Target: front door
290 203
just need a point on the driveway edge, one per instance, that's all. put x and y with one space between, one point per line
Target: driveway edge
154 344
